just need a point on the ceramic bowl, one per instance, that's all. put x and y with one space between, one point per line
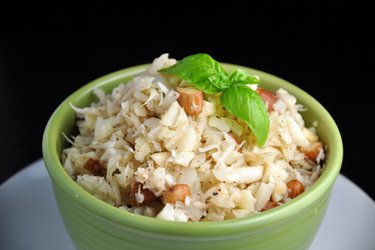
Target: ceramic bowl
94 224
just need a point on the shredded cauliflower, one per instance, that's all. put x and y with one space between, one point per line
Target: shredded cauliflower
139 133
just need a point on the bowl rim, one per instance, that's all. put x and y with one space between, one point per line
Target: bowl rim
230 228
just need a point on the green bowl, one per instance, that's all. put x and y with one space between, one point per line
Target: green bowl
94 224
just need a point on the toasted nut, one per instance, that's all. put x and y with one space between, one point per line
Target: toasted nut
94 167
313 151
269 205
295 188
268 97
176 193
140 197
191 100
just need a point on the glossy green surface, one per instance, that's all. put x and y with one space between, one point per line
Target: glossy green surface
93 224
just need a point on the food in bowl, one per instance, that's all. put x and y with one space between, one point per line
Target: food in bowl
186 141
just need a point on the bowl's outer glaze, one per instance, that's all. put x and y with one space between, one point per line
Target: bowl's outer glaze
93 224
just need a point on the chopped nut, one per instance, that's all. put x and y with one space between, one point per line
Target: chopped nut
94 167
191 100
176 193
295 188
269 205
140 197
312 151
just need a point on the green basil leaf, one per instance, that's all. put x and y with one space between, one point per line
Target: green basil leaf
246 104
201 71
240 77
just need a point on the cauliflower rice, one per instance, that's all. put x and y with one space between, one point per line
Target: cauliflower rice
137 144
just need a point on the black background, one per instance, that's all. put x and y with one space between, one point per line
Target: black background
47 52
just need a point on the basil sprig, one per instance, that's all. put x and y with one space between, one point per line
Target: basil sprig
201 71
206 74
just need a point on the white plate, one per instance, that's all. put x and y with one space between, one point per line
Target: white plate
29 218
